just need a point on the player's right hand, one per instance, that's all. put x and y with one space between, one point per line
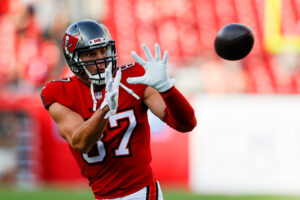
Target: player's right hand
111 91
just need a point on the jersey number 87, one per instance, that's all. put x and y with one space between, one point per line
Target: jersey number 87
123 148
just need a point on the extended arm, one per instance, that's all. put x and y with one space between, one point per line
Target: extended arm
162 98
178 114
80 134
172 108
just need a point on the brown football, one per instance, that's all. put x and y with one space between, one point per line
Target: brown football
234 41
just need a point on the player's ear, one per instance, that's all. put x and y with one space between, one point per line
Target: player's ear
83 74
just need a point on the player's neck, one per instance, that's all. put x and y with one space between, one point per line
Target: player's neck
88 83
98 88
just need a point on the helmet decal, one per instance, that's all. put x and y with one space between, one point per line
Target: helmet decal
96 41
70 42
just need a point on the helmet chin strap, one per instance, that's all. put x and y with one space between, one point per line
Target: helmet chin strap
93 97
97 79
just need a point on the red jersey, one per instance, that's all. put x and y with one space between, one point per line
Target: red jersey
119 163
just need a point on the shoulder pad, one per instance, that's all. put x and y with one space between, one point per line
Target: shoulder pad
65 80
54 91
124 67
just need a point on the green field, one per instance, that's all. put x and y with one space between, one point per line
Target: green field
84 194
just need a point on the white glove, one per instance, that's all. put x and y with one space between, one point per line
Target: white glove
155 70
111 91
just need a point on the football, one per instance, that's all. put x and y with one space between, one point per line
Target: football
234 41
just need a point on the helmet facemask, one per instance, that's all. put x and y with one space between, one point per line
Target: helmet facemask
97 76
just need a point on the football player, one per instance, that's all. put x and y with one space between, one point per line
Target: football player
102 111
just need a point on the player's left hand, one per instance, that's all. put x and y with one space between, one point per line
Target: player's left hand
111 91
155 70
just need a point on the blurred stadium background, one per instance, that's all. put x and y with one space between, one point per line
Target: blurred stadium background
247 142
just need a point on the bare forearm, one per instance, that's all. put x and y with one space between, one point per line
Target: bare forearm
85 136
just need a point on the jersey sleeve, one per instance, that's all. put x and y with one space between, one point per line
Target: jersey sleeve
47 95
55 91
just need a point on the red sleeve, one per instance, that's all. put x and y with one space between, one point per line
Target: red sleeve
56 91
179 114
47 95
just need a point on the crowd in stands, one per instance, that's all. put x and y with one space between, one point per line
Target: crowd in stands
29 55
31 32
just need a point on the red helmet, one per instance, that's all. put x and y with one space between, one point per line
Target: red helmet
85 35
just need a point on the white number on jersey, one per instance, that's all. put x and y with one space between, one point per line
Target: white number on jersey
123 148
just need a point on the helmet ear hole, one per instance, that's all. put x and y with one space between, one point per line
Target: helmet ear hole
82 74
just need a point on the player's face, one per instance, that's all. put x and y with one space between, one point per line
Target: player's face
94 54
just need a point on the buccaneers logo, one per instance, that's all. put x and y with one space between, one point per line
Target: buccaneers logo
70 42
